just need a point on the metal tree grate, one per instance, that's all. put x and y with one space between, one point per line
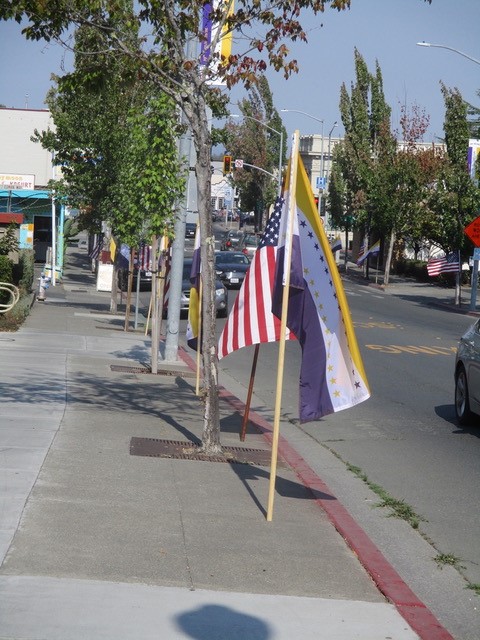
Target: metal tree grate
161 372
184 450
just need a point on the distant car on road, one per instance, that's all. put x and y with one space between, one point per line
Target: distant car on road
231 267
230 239
467 376
145 280
221 293
248 244
190 228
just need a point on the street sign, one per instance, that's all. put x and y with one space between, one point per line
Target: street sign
238 164
321 183
472 230
476 254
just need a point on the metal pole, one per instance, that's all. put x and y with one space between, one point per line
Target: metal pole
53 257
280 165
473 294
442 46
176 272
327 176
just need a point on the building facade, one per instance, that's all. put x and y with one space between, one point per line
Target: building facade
25 170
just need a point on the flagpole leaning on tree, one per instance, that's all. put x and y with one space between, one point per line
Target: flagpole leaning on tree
283 327
199 339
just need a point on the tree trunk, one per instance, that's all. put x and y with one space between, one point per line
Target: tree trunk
388 262
129 290
202 138
114 294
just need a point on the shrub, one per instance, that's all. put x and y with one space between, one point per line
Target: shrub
13 319
6 275
23 272
413 269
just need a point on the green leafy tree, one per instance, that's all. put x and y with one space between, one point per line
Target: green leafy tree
454 200
258 144
366 153
166 56
8 241
473 113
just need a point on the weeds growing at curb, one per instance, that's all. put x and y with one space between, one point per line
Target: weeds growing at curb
474 587
448 560
399 508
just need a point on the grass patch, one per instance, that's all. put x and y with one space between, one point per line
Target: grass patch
448 560
12 320
399 508
474 587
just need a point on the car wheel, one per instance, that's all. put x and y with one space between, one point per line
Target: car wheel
462 403
222 313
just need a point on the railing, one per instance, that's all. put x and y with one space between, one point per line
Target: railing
14 296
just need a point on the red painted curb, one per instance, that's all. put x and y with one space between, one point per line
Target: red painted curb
388 581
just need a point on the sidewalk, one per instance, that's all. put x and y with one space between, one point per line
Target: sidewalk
101 538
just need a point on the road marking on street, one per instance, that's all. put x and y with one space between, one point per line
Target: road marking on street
376 325
412 349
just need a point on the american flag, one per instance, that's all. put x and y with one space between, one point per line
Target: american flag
95 252
448 264
361 251
251 320
144 261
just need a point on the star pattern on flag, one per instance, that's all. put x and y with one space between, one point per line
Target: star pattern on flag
325 295
271 234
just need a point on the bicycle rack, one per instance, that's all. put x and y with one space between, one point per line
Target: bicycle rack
14 296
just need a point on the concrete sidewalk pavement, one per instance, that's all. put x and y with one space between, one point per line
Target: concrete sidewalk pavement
100 538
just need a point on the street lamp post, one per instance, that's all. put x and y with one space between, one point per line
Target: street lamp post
443 46
327 176
321 148
280 133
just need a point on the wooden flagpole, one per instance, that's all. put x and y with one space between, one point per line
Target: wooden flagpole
248 401
292 204
199 337
148 315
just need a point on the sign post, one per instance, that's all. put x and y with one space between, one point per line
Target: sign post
472 231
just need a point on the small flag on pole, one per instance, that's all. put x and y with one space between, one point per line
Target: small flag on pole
374 250
95 252
336 244
193 323
144 262
361 251
447 264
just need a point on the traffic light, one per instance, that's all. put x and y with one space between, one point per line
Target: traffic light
227 164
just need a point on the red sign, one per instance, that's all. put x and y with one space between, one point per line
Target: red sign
6 218
472 230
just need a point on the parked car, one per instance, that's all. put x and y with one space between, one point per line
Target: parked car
467 376
230 239
221 293
231 267
190 228
248 244
145 280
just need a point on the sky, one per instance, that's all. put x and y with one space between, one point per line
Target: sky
383 30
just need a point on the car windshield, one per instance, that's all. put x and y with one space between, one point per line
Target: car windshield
187 269
233 258
251 240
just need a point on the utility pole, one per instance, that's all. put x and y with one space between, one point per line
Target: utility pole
178 246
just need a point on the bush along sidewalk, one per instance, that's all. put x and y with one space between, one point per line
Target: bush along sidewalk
21 275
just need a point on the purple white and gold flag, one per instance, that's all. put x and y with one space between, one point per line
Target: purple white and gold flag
332 375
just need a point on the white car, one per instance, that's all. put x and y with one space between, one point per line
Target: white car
467 376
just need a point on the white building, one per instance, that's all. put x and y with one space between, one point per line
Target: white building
25 170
